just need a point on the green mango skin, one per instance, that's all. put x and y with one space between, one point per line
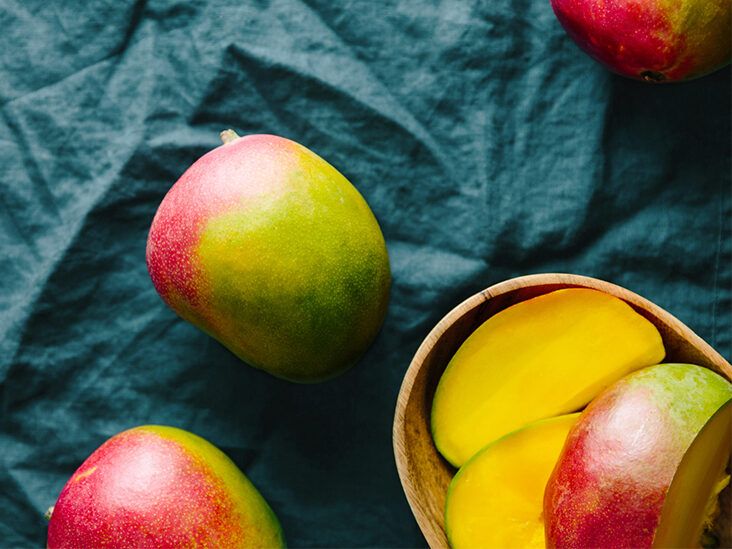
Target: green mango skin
268 248
610 482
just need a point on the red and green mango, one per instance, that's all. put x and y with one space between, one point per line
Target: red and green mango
610 482
652 40
161 487
268 248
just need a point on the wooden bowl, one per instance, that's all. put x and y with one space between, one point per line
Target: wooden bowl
424 474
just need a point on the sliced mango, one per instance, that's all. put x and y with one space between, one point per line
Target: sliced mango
540 358
691 503
496 499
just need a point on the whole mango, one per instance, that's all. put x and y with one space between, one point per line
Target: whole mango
651 40
161 487
268 248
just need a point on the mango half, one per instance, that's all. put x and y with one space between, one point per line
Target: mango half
161 487
268 248
496 499
540 358
611 480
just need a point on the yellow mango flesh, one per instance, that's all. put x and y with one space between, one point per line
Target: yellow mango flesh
691 501
540 358
496 499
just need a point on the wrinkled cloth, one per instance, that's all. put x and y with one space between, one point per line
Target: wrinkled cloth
486 143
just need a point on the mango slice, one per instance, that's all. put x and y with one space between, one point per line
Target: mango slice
540 358
496 499
692 499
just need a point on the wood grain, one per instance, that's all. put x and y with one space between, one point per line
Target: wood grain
424 474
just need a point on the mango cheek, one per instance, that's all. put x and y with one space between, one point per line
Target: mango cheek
540 358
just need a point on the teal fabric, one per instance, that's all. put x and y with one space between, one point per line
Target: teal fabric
486 143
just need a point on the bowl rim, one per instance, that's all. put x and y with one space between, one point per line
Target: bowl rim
401 455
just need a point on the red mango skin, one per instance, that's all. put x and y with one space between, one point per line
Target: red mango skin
651 40
610 482
160 487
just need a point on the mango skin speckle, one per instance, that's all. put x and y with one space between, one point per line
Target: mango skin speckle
161 487
268 248
610 482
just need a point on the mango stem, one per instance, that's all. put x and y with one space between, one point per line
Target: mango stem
228 136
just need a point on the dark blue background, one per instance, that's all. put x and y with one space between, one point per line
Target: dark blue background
486 143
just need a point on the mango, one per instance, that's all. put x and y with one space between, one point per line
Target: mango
539 358
651 40
692 505
161 487
496 499
269 249
610 482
